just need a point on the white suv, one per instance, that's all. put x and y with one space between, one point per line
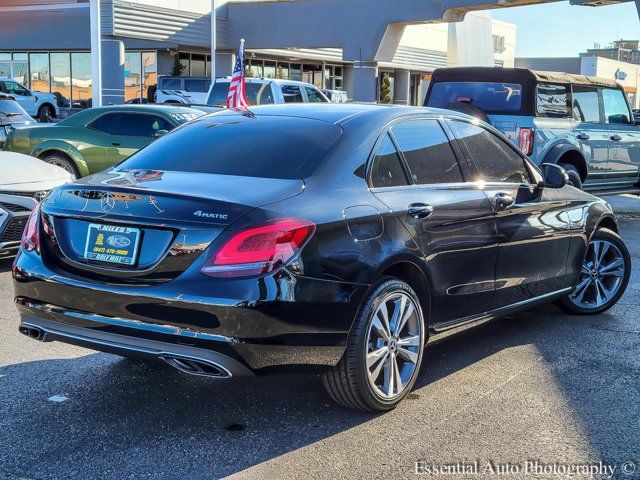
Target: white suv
40 105
263 91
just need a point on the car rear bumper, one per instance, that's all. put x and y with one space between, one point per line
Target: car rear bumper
307 327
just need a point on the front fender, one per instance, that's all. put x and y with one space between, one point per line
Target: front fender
51 146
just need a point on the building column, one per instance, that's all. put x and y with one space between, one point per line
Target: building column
401 86
347 80
96 52
112 72
365 81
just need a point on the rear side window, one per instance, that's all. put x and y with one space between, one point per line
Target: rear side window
268 147
490 96
616 109
387 168
427 152
292 94
218 94
552 100
495 161
259 93
586 104
196 85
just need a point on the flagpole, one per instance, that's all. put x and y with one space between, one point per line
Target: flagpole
214 46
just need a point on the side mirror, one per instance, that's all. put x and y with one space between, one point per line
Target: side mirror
161 133
554 175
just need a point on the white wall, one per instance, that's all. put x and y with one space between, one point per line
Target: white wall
607 68
508 32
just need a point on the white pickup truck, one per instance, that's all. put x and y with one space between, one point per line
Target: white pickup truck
39 105
184 90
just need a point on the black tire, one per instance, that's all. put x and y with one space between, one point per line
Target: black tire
347 383
469 110
62 161
573 174
613 238
46 114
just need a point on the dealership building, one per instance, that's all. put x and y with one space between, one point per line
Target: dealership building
47 45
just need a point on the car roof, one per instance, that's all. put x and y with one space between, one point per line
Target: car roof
338 113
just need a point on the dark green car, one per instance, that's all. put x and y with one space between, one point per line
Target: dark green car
96 138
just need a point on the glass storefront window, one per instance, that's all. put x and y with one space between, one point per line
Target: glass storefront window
198 68
269 69
20 68
81 79
149 71
132 75
184 61
61 78
295 72
208 72
5 65
282 71
255 68
39 71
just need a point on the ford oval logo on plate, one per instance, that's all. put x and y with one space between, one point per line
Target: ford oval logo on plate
118 241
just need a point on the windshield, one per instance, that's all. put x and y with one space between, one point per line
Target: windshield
489 96
11 112
268 147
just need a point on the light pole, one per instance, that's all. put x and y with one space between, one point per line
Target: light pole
96 53
213 41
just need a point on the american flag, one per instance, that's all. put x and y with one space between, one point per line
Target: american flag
236 97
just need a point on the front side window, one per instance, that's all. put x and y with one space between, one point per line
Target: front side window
616 109
387 168
495 161
551 100
586 104
427 151
141 125
16 89
314 95
107 123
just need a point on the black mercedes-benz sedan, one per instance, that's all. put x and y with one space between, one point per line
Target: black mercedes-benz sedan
332 237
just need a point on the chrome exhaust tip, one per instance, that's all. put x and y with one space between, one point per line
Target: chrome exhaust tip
32 332
197 366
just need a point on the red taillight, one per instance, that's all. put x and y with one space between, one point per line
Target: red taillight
30 236
525 141
259 250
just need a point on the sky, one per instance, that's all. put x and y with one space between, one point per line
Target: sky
563 30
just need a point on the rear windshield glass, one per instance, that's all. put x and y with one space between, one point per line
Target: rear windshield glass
268 147
489 96
11 112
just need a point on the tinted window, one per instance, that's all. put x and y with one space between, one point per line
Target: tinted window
271 147
218 94
586 107
387 168
427 151
292 94
314 95
171 84
259 93
11 112
616 109
141 125
551 100
491 97
196 85
494 159
107 123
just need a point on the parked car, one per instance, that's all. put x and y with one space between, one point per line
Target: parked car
96 138
11 115
336 96
24 181
582 123
40 105
335 237
264 91
186 90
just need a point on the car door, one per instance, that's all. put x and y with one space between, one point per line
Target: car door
105 128
624 146
416 173
135 131
23 96
533 228
590 131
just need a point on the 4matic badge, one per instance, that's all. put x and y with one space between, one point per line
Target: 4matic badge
215 216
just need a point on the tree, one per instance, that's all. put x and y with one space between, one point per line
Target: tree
385 89
178 67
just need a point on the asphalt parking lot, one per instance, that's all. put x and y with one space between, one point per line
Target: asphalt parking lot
542 386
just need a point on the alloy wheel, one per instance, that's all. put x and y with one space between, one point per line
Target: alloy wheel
601 275
394 340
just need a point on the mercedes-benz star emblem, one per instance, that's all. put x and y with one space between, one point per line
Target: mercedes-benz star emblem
107 202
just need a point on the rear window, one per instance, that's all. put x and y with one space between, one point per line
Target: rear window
268 147
11 112
489 96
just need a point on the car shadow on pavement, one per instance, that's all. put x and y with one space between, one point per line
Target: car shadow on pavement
98 415
5 265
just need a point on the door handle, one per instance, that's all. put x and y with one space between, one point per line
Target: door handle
583 136
504 200
615 138
419 210
116 144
